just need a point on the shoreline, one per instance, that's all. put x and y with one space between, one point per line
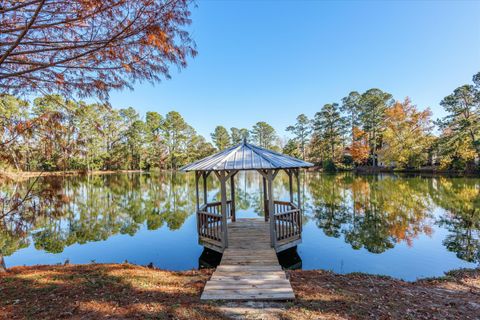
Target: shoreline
23 175
33 174
128 291
420 171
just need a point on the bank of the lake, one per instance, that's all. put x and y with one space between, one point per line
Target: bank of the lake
120 291
22 175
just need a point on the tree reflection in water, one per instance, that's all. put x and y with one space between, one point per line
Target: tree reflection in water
93 208
374 212
461 200
377 211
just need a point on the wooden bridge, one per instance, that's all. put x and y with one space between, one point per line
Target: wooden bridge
249 269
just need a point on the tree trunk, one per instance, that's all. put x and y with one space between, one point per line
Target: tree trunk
374 150
3 268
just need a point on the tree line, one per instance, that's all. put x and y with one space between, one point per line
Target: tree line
372 129
54 133
364 129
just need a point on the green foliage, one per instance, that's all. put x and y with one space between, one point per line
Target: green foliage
373 104
330 126
238 135
221 138
459 142
264 135
301 131
351 108
292 149
329 166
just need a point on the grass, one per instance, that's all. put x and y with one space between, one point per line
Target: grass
124 291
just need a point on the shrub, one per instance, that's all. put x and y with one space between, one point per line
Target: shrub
329 166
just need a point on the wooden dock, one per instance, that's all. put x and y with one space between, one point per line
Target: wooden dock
249 269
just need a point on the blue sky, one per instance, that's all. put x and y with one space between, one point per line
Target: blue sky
270 61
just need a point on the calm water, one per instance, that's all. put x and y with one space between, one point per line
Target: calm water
405 227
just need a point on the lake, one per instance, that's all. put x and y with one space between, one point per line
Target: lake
402 226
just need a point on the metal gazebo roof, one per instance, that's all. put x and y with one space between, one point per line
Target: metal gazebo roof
246 156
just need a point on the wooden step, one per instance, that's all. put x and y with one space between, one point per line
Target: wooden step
249 275
231 268
261 295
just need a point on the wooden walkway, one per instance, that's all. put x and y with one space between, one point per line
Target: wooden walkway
249 269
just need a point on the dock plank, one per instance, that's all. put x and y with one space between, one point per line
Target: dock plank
249 269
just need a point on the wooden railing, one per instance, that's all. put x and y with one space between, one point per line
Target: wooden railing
210 226
216 207
288 222
209 223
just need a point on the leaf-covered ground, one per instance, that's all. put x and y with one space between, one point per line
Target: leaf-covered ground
99 291
327 295
120 291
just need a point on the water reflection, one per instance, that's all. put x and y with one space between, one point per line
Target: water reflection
462 219
375 213
94 208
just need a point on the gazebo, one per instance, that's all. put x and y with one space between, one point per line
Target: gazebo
284 217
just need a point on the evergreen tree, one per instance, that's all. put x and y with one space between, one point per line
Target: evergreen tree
373 104
330 127
264 135
221 138
461 127
301 131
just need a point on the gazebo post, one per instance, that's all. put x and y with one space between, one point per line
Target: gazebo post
205 176
271 207
299 202
300 218
232 196
290 184
223 176
197 176
271 174
223 197
265 198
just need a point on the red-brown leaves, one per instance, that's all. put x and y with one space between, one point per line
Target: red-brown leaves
359 149
91 46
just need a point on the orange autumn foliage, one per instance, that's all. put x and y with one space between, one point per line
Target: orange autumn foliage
88 47
359 149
